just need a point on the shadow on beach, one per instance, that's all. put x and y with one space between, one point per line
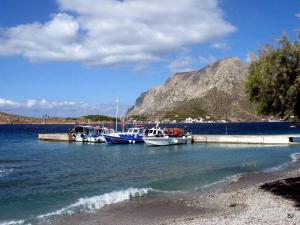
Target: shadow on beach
288 188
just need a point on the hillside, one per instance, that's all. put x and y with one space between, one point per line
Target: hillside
6 118
216 90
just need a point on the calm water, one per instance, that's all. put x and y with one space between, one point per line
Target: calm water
42 180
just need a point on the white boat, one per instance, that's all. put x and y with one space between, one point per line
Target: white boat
159 137
93 134
81 133
96 134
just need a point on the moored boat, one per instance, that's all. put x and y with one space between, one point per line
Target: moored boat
160 137
93 134
132 136
96 134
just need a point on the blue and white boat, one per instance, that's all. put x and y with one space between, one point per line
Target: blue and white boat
96 134
92 134
132 136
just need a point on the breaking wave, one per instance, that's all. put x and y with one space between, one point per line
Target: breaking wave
295 157
12 222
279 167
4 173
229 179
91 204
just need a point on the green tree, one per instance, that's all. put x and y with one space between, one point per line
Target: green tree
273 83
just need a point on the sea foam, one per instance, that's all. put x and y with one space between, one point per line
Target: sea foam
295 157
12 222
276 168
91 204
229 179
4 173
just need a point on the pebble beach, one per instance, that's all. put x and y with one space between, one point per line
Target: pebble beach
249 206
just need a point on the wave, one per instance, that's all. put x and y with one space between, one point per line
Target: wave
279 167
4 173
12 222
229 179
295 157
91 204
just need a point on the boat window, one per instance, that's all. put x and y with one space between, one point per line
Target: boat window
130 130
159 132
78 129
154 132
136 131
150 131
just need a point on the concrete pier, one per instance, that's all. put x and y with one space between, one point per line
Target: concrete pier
56 137
248 139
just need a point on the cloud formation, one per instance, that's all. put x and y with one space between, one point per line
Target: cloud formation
110 32
182 64
187 63
37 108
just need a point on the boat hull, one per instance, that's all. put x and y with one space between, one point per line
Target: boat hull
123 139
81 138
96 139
163 141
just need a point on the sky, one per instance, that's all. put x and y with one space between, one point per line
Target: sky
75 57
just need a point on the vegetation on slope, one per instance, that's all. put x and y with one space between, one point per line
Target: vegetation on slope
183 110
99 118
216 105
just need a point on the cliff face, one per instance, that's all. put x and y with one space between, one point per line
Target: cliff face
218 89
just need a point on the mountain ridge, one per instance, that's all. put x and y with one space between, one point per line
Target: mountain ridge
223 79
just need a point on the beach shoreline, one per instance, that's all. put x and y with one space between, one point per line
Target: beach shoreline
239 202
250 204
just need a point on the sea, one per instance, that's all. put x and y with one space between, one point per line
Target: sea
41 181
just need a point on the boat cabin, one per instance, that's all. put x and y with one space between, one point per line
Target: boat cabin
155 132
82 129
158 132
135 131
91 130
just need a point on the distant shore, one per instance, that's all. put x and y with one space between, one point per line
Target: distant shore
240 202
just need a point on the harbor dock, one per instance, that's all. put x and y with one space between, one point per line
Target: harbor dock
247 139
225 139
56 137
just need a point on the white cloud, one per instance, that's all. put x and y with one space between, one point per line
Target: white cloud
106 32
187 63
33 107
205 60
182 64
6 102
220 45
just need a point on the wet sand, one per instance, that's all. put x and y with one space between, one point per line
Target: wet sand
250 200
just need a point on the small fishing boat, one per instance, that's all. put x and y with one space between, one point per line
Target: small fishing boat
169 136
132 136
81 133
96 134
93 134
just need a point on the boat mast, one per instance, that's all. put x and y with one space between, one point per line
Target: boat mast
123 122
117 112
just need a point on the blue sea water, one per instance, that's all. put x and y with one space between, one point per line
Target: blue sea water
41 180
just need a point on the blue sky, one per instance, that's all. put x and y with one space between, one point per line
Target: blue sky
74 57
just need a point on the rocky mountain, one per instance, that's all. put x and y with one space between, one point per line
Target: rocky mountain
216 90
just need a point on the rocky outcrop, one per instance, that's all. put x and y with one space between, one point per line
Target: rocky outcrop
218 88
